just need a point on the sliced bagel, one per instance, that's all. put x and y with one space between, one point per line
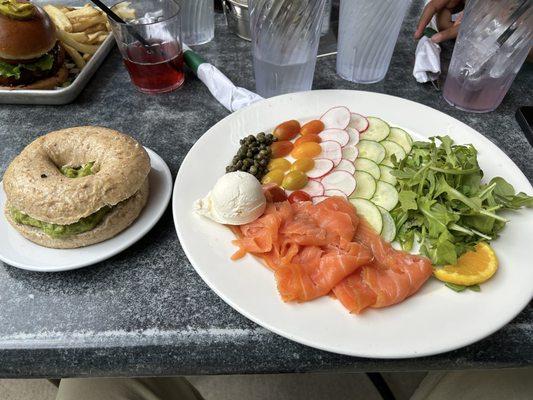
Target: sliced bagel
119 218
35 185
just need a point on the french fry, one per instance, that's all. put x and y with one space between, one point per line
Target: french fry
97 37
96 28
81 47
87 56
76 57
80 37
59 19
83 12
102 37
125 13
81 25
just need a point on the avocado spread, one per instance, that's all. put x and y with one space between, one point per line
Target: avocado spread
62 231
16 9
78 172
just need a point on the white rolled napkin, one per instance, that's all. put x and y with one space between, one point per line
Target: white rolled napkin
230 96
427 61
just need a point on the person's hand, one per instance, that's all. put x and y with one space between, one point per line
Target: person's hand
443 9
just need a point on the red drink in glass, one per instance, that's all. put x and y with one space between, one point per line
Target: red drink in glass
157 68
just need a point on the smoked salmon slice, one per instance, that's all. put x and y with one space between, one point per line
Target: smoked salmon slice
317 249
392 277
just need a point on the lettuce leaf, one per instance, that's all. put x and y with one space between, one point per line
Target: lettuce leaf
44 63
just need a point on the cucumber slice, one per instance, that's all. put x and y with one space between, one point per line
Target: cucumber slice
370 212
366 185
388 232
364 164
390 149
401 137
385 196
386 175
372 150
377 129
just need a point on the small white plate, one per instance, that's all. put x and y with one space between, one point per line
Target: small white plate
434 320
19 252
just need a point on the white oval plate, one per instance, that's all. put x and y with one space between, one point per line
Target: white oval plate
434 320
19 252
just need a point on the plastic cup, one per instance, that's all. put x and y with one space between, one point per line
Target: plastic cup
197 21
368 31
285 36
150 44
481 69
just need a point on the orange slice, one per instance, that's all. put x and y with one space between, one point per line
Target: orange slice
473 267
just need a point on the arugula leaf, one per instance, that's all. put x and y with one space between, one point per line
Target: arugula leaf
408 200
453 286
443 203
461 288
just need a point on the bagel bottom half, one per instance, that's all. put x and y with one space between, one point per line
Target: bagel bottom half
119 218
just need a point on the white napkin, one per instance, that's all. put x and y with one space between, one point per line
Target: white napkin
427 60
229 95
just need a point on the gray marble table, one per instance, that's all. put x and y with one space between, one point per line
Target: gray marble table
145 311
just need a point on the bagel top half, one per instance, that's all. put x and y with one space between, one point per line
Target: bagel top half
35 185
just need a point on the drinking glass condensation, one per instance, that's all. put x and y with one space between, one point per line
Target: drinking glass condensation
155 66
481 71
197 21
285 35
368 31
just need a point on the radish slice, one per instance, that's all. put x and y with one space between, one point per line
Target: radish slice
350 153
314 188
335 192
337 135
358 122
340 180
321 168
336 117
332 151
354 136
345 165
318 199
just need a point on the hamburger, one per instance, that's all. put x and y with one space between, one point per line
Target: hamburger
31 57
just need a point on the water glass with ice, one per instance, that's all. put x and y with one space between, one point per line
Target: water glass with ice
197 21
368 31
285 36
483 65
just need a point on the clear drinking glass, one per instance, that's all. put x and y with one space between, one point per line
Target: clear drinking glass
368 31
326 20
285 35
150 43
197 21
481 69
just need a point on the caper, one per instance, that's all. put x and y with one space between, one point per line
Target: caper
253 169
249 154
263 162
245 163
